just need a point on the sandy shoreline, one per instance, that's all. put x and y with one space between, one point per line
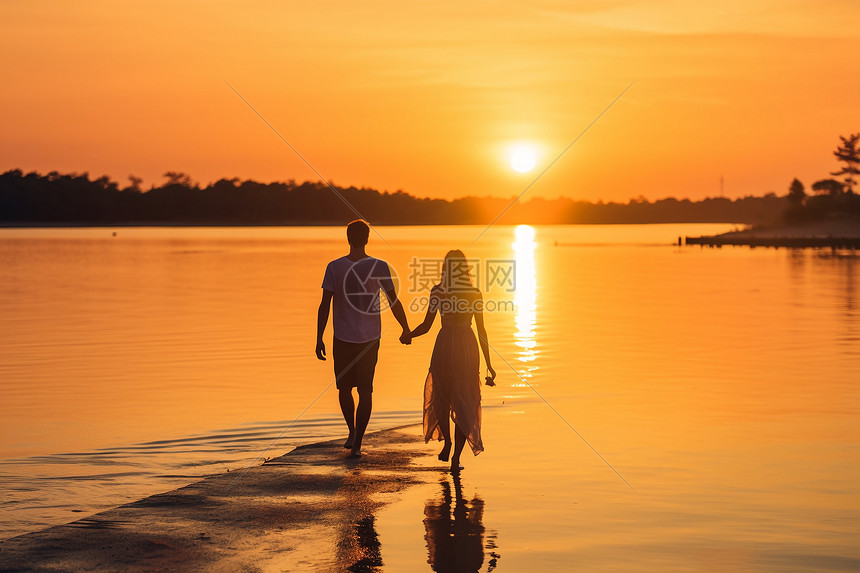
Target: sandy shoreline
837 234
817 229
286 514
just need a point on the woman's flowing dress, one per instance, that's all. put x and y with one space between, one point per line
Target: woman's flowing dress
453 386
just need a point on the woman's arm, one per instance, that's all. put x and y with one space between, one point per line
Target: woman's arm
482 337
428 322
432 306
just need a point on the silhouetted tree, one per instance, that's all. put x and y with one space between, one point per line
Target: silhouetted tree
849 154
178 178
105 183
830 187
796 210
134 183
796 192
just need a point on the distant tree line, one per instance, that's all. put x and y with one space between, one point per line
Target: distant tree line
60 199
32 199
833 198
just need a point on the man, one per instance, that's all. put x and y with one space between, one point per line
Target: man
353 283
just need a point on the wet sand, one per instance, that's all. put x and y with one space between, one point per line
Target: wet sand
311 509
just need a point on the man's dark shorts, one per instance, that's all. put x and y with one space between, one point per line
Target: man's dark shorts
355 363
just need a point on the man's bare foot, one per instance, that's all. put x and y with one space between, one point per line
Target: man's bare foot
446 451
347 445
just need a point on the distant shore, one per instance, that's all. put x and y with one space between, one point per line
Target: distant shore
33 199
840 234
86 225
65 225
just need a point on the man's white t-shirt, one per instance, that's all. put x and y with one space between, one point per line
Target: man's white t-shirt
356 286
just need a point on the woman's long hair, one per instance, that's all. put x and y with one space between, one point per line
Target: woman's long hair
455 271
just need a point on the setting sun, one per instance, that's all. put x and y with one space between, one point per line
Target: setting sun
523 158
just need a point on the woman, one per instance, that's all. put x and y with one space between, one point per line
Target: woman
453 388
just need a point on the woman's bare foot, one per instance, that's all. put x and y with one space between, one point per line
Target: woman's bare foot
347 445
355 453
456 467
446 451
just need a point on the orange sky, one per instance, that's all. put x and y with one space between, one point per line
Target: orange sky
425 96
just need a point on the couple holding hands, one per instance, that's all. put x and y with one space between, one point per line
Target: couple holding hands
452 390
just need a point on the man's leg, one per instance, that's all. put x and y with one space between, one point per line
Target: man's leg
365 370
347 406
343 355
362 417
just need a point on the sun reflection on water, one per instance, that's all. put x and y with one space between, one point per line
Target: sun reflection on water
525 298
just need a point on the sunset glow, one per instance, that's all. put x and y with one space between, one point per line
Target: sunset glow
420 96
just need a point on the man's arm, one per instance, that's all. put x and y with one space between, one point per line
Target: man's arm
400 315
322 320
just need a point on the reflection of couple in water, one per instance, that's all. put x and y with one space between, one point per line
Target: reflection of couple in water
452 390
455 532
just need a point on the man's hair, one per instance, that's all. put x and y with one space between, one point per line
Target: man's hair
358 232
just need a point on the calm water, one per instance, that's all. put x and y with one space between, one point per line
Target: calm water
145 360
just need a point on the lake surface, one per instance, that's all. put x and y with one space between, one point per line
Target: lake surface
724 379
